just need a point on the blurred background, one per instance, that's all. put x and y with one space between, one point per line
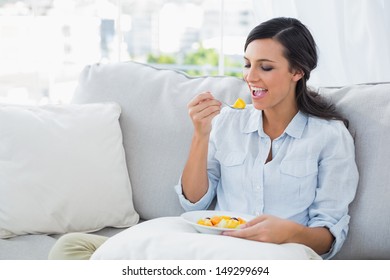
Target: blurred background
44 44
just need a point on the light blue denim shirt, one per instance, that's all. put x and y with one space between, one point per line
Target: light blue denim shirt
311 179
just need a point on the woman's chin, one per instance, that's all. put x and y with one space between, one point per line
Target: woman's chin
259 105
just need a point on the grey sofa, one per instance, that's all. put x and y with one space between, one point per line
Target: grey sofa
157 132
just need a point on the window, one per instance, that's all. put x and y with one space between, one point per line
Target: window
44 44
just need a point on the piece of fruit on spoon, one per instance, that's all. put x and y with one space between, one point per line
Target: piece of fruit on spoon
239 104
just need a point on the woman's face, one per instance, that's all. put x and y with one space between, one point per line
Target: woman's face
271 81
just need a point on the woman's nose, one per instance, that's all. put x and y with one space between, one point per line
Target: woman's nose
251 75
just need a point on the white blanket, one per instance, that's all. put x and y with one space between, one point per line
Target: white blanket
171 238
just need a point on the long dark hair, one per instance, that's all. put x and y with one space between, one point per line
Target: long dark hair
301 52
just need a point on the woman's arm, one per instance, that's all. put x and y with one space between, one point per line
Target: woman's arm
202 109
267 228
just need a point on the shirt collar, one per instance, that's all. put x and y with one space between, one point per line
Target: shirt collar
297 125
294 129
254 121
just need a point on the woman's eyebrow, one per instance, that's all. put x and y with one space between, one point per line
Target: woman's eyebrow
261 59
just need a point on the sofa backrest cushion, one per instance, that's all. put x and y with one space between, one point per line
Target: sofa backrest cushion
156 127
367 107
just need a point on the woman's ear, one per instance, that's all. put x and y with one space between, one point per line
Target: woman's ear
297 75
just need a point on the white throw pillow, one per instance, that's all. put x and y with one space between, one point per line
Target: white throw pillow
62 169
171 238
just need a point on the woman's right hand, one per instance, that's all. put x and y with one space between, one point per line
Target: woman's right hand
202 109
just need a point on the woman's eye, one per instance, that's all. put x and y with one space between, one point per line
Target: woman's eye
266 68
247 66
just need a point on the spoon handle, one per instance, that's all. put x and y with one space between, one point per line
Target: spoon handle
230 106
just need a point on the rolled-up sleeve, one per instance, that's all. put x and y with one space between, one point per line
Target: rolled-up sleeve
337 183
201 204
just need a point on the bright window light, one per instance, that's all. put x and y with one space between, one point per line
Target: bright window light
45 44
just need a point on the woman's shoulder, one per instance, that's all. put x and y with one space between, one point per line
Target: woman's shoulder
335 128
326 123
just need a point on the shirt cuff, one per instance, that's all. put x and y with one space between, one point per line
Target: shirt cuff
338 230
201 204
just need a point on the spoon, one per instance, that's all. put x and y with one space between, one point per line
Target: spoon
238 105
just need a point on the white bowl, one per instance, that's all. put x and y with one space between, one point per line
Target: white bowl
192 217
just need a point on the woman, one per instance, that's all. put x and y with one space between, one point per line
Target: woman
288 159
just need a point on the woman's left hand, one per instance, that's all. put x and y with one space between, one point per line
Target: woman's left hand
267 228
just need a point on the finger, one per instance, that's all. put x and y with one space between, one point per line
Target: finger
204 109
246 233
200 98
255 221
248 230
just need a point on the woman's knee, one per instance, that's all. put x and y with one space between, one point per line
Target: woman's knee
76 246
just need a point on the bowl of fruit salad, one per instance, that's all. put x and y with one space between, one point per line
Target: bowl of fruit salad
215 222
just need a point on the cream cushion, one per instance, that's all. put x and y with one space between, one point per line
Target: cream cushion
171 238
62 169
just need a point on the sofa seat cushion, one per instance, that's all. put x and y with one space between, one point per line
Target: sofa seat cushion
26 247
